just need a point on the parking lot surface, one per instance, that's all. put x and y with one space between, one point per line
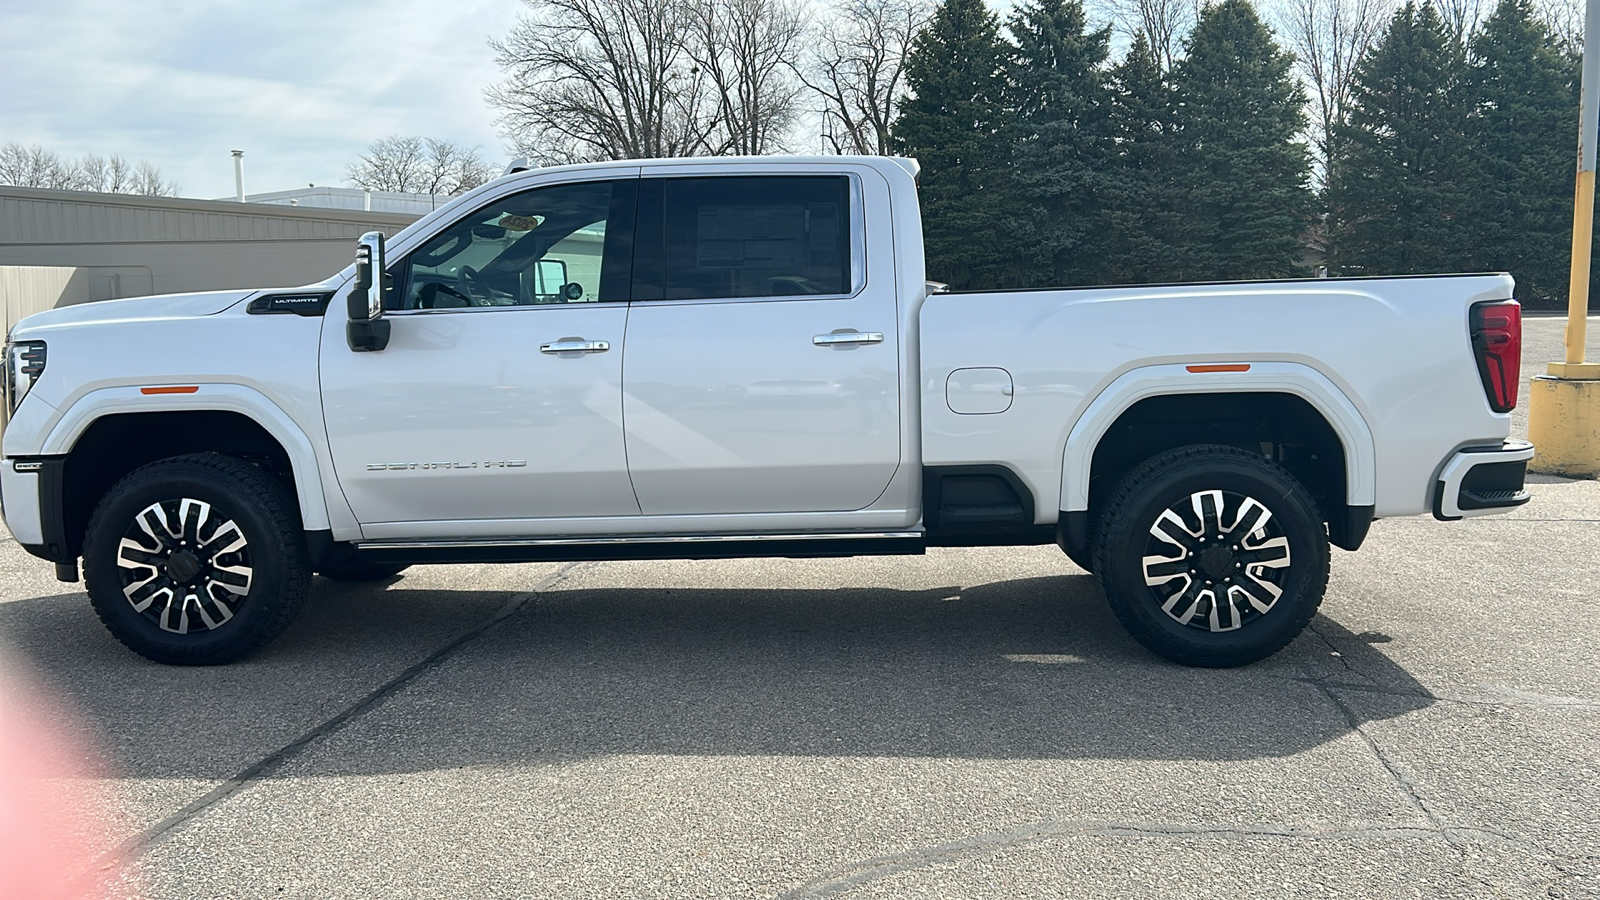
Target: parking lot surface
972 723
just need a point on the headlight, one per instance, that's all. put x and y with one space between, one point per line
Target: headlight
24 365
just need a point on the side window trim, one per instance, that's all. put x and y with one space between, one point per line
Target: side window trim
618 249
649 262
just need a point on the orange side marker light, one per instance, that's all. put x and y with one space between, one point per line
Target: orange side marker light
1229 367
185 389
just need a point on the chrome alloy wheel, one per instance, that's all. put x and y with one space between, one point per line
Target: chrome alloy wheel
1216 561
184 566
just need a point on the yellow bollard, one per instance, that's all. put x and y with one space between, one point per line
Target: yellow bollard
1564 426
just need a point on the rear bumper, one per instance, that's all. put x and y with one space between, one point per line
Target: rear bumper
1482 481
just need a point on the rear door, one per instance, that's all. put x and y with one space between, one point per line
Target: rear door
762 369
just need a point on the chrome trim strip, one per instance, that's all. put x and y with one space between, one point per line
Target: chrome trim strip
648 539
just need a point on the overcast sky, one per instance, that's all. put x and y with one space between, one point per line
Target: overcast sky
302 86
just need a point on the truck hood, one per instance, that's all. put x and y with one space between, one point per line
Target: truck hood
134 309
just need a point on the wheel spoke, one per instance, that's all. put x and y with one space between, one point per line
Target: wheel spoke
1162 569
1170 528
1185 603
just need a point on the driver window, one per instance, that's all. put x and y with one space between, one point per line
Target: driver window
543 246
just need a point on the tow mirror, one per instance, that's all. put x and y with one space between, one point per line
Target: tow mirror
367 329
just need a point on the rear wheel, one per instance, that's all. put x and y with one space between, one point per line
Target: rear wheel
1212 556
196 560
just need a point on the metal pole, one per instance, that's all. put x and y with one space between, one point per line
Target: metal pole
239 172
1583 205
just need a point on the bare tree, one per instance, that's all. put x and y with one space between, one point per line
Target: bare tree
1564 18
34 166
111 175
417 165
1163 22
857 69
1461 16
604 79
147 181
1329 38
744 48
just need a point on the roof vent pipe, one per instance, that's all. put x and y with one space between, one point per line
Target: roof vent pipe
238 175
367 199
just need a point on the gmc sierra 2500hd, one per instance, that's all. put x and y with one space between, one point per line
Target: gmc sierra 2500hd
741 357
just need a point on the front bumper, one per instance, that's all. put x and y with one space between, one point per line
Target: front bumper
1482 481
31 496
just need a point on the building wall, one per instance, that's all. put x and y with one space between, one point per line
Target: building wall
354 198
131 246
25 290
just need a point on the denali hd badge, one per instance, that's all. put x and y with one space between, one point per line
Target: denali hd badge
487 464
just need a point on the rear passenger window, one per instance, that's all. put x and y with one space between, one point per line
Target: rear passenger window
774 236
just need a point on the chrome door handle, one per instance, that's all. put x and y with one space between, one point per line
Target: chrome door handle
569 345
848 337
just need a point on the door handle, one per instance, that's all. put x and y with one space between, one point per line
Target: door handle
848 337
574 345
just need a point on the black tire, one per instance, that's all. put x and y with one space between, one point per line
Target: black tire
196 510
356 571
1190 598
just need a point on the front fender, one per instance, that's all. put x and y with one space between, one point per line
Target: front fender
303 458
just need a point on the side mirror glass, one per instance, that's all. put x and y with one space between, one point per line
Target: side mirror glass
367 330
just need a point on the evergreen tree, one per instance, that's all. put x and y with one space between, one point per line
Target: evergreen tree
1400 193
1142 207
1061 138
1524 144
950 123
1239 116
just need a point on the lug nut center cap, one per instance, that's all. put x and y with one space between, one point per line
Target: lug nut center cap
1216 561
182 566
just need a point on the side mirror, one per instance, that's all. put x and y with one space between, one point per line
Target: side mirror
573 291
367 329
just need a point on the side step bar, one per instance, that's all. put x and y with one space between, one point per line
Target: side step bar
730 546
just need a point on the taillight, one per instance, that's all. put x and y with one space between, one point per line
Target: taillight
1497 342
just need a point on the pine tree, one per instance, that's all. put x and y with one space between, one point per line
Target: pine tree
1142 206
1239 115
950 123
1524 145
1061 138
1400 193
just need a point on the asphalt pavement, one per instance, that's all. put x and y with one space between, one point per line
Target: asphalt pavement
971 724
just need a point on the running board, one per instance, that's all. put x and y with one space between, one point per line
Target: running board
719 546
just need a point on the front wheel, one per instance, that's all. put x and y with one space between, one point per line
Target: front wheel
1212 556
196 560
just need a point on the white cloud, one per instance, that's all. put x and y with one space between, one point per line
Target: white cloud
301 86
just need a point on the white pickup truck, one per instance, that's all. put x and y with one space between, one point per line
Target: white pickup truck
741 357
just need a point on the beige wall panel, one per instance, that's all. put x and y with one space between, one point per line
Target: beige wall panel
25 290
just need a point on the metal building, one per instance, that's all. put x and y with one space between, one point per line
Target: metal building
131 246
325 197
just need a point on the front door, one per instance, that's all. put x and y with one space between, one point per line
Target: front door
499 396
762 371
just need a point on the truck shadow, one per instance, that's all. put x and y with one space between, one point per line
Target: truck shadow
1024 669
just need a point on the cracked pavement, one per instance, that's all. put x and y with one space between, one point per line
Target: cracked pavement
968 724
